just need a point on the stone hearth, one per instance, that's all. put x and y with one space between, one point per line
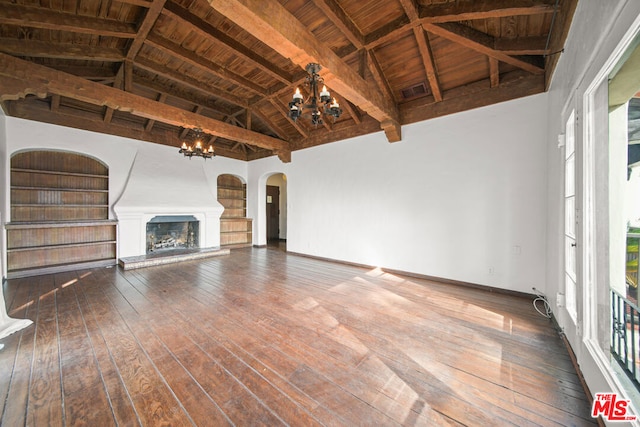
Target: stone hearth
162 258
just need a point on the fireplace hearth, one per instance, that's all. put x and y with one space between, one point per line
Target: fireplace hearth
172 232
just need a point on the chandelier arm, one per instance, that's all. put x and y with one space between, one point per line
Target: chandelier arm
318 102
197 148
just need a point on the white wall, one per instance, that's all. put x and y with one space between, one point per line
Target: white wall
461 197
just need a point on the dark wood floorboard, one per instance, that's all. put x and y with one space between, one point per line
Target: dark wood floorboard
260 337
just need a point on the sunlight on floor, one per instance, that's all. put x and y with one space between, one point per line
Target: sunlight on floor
69 283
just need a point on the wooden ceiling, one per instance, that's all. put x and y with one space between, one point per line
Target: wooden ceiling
154 69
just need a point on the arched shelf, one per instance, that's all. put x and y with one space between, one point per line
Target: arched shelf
235 227
59 213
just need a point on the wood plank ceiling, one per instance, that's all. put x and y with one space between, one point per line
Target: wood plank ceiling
154 69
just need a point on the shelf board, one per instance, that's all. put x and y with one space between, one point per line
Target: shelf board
48 172
77 190
226 187
49 205
58 224
61 246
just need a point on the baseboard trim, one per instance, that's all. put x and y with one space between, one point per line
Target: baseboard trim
423 276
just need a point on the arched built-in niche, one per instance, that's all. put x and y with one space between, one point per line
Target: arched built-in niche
235 227
59 213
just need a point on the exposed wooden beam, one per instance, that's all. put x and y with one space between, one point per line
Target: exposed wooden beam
124 77
482 43
149 125
389 33
29 111
342 130
55 103
170 74
353 111
118 81
494 72
141 3
40 49
34 17
378 74
108 115
424 47
454 12
208 31
521 45
410 9
280 107
340 19
196 60
89 72
482 9
515 84
249 118
272 126
185 130
128 75
427 60
178 90
39 79
272 23
150 18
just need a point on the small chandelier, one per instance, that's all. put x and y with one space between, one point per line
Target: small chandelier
318 103
196 149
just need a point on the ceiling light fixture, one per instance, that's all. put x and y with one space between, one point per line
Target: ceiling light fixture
318 102
196 148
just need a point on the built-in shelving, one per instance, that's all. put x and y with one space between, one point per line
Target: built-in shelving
235 227
59 213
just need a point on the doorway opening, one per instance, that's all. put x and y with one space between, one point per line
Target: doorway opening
276 211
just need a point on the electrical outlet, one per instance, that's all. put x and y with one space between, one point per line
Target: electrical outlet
560 299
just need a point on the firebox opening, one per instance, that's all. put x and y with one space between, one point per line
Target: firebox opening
167 233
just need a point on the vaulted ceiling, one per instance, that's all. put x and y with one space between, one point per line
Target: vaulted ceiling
154 69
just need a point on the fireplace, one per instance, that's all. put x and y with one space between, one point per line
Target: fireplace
172 232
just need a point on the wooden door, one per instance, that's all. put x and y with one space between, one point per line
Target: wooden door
273 212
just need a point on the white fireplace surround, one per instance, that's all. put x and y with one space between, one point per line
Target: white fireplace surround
132 227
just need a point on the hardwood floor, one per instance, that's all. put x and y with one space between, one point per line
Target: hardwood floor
260 337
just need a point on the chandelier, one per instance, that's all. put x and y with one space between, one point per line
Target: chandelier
196 148
318 102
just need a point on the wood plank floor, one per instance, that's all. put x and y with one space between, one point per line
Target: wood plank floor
261 337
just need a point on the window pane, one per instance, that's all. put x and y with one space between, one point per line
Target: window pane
570 216
569 177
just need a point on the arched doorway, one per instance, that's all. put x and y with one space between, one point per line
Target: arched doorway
276 209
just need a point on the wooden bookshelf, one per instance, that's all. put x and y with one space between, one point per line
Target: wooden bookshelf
235 227
59 213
